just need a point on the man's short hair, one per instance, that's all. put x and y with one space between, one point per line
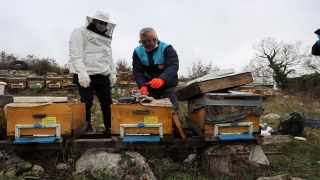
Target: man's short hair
146 31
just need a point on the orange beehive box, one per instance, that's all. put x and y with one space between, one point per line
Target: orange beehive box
54 82
16 83
69 115
136 113
36 82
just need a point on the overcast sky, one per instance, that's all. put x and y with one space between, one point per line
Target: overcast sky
221 32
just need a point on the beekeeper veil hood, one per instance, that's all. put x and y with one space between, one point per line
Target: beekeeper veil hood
100 23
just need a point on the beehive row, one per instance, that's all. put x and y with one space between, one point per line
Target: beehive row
36 82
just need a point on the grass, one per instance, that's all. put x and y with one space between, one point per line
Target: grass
300 158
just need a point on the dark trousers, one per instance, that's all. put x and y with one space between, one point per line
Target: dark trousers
166 93
103 93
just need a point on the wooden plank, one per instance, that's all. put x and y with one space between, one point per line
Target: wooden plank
5 99
123 114
3 120
225 82
108 143
79 130
188 91
178 124
263 140
24 115
192 125
219 83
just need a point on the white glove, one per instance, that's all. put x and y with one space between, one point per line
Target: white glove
83 76
84 79
113 79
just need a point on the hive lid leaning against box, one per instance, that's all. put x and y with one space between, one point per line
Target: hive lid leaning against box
39 99
218 80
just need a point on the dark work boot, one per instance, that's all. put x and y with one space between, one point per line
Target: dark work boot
89 129
107 122
107 133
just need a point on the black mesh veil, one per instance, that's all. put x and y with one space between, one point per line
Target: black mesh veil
109 28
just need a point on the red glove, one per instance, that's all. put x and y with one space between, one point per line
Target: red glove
143 90
156 83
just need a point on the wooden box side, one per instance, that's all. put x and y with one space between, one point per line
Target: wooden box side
24 115
209 128
78 114
198 117
3 120
123 114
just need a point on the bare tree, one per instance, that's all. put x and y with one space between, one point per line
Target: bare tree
122 65
260 71
278 59
6 59
310 62
198 69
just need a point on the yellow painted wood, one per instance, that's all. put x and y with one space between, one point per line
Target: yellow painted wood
198 117
78 114
123 114
24 115
209 128
2 117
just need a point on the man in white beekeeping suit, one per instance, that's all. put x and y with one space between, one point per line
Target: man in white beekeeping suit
92 64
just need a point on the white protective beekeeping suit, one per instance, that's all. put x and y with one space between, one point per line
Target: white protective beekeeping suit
91 53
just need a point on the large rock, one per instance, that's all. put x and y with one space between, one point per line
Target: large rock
118 166
15 161
37 168
280 177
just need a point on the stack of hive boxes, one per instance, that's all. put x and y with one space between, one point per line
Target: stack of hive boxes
214 112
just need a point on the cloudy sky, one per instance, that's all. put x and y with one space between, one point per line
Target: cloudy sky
221 32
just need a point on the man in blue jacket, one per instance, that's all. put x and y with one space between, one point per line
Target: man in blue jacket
155 67
316 48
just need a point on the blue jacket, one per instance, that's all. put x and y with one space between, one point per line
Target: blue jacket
161 62
316 49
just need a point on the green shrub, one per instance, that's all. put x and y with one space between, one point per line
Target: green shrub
45 67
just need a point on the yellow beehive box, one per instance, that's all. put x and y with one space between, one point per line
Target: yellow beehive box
136 113
68 115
